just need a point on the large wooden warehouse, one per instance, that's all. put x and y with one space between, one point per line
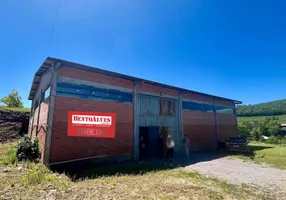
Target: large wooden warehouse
80 112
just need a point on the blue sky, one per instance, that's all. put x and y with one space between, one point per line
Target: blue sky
234 49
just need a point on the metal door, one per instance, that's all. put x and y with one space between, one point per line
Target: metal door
161 112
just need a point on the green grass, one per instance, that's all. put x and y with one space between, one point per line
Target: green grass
8 154
35 181
282 118
267 153
8 109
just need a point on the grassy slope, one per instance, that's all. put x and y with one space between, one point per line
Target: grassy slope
7 109
7 153
282 118
35 181
272 154
277 107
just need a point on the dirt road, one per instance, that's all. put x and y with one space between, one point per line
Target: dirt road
236 171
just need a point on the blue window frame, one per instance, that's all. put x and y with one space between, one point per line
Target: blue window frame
224 109
197 106
47 93
91 92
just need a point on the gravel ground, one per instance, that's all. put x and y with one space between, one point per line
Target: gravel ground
236 171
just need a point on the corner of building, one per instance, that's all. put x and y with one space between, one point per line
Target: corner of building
53 85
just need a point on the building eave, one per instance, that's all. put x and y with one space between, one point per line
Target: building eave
50 61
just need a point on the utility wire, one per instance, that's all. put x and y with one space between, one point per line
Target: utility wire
55 21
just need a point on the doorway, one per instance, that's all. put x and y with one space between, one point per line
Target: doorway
153 111
151 138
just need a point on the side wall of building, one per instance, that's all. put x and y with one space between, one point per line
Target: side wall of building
64 147
40 128
207 121
202 122
226 120
156 90
199 128
39 112
199 124
93 77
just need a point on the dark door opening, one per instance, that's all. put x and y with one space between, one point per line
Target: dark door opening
150 137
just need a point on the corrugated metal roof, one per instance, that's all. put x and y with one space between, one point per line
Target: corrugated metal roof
52 61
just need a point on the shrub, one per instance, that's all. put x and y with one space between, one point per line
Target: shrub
262 140
28 149
256 133
269 127
244 129
272 140
283 141
276 140
272 126
274 130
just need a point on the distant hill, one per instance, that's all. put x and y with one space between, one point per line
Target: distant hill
282 119
263 109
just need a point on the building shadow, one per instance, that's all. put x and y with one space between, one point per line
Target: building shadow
257 148
203 156
81 170
90 169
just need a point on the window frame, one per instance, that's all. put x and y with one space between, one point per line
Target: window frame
89 92
197 106
224 109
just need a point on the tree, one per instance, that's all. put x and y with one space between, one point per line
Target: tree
255 129
272 126
244 129
256 133
13 100
263 109
274 130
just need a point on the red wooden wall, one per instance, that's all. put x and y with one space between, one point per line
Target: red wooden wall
65 148
199 128
42 126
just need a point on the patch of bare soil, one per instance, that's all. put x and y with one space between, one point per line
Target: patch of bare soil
13 125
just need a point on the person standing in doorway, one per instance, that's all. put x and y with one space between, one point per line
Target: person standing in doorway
160 146
186 142
164 135
142 148
170 144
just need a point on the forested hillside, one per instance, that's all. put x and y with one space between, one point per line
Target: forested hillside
263 109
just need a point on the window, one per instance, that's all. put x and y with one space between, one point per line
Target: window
167 107
91 92
224 109
237 140
47 93
197 106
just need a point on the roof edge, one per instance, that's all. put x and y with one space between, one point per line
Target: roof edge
49 61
